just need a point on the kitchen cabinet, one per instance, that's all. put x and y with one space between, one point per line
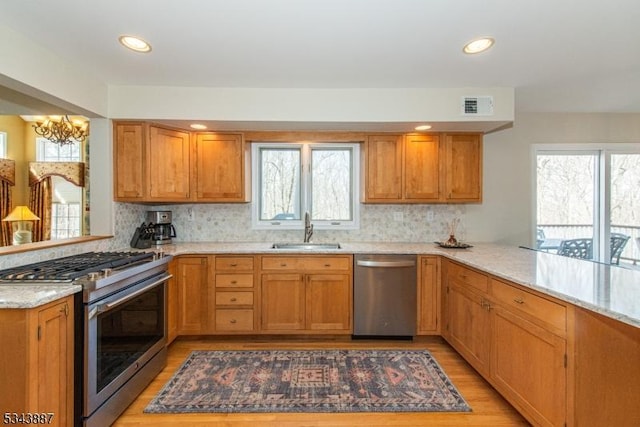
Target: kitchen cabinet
168 154
607 372
173 311
36 361
235 294
423 168
307 294
514 338
158 164
129 161
220 168
193 283
429 296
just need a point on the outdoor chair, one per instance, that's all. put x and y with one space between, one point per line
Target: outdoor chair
577 248
618 242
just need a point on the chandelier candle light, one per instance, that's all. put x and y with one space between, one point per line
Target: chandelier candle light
21 224
61 130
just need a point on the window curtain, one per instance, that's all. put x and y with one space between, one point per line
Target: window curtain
7 180
41 196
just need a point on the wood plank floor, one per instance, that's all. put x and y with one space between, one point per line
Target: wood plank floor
489 408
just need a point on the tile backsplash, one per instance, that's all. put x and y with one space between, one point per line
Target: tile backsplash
378 223
232 223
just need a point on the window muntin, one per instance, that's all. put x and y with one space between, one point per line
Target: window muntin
293 178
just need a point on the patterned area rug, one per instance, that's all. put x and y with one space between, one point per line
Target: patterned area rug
309 381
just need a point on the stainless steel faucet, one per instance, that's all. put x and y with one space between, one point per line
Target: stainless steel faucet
308 227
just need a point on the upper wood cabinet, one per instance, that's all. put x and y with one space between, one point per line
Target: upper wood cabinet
157 164
129 161
168 165
423 168
220 168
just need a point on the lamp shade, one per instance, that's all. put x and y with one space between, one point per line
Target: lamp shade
21 213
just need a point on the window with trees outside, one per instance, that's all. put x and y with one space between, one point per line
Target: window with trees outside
588 202
291 179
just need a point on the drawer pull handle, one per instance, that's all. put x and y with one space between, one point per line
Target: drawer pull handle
233 300
233 282
233 321
327 265
463 277
518 300
283 264
234 265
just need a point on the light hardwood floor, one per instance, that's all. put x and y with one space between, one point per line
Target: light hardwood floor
489 408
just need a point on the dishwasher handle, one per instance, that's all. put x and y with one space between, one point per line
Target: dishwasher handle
373 263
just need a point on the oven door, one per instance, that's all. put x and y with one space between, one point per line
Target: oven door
122 333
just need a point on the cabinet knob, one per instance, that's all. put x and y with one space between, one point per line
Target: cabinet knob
233 321
518 300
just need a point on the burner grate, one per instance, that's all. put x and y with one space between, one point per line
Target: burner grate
72 267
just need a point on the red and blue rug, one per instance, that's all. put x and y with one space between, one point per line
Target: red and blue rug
309 381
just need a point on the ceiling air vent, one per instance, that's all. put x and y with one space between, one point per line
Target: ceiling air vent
477 105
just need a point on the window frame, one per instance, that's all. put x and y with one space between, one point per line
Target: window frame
602 198
306 191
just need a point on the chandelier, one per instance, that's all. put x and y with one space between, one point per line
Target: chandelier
61 130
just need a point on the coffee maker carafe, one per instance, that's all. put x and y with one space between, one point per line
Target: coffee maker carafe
160 223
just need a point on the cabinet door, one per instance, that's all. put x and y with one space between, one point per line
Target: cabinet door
55 362
168 164
283 302
463 168
193 308
328 302
383 155
421 167
129 161
469 326
528 366
429 296
172 303
220 167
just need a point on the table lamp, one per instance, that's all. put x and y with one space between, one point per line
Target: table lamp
21 224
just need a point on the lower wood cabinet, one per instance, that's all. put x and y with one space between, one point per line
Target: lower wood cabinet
514 338
193 284
429 311
36 361
316 298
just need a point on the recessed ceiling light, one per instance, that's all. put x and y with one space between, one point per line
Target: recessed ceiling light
478 45
423 127
197 126
135 43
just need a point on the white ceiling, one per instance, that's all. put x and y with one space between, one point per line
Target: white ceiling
559 55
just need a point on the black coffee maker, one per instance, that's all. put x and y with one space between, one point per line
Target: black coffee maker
160 223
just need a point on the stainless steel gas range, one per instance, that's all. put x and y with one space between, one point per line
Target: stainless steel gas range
120 325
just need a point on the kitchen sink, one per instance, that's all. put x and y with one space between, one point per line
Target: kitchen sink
307 246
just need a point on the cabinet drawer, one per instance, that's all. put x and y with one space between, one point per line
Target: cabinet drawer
234 263
234 280
544 310
306 263
234 320
467 276
234 298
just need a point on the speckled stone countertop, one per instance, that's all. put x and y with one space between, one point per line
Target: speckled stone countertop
610 290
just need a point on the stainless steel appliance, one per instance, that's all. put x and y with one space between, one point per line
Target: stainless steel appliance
384 296
160 223
121 325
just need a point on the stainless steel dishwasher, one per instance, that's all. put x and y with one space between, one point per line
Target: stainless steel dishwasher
384 296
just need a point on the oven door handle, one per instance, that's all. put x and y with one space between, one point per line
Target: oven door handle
106 307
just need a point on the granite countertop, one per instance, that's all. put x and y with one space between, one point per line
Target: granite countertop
610 290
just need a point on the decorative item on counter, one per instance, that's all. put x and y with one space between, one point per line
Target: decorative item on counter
452 242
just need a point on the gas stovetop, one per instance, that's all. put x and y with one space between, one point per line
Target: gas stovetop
73 267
